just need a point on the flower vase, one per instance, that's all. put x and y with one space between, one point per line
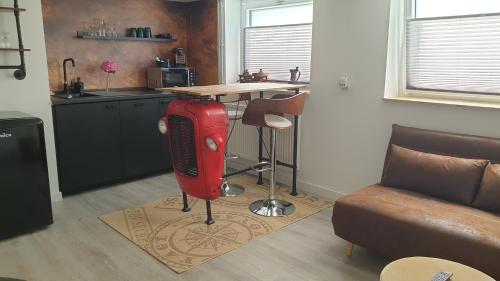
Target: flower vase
107 84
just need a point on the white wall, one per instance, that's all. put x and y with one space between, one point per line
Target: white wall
30 95
345 133
232 39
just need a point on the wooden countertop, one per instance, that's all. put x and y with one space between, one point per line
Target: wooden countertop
232 89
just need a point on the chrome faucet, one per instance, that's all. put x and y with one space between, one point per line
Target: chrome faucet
66 86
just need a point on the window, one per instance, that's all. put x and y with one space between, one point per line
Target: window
443 8
277 39
446 46
294 14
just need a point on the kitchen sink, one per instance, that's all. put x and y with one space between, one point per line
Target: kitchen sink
85 95
76 96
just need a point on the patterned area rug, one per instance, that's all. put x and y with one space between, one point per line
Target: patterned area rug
182 240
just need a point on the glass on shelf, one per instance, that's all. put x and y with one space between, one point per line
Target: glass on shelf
4 40
102 28
95 27
114 32
84 30
111 30
98 28
91 28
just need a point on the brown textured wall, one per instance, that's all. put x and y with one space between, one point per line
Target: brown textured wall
63 18
203 42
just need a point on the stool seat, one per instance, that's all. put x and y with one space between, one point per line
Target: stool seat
277 122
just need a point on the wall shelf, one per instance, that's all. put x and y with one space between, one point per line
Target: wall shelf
19 70
11 9
124 38
14 50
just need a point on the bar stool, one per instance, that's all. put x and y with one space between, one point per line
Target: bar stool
231 189
269 113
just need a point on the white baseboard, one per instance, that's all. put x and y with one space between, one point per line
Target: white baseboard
284 176
321 191
56 196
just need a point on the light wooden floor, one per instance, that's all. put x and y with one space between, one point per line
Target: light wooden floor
78 246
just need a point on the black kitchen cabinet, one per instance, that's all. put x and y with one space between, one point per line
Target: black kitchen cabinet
140 137
89 151
109 141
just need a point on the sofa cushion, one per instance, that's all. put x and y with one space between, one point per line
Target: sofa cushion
445 177
488 196
399 223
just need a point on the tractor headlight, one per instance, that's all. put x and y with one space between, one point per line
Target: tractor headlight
211 144
162 126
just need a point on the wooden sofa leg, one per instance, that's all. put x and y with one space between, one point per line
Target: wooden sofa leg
349 249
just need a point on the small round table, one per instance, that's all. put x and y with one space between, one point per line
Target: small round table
423 269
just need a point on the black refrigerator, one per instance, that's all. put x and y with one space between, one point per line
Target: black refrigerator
24 183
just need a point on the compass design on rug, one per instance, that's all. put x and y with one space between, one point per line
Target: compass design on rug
188 240
211 238
174 203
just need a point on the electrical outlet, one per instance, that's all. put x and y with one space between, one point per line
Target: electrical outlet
344 82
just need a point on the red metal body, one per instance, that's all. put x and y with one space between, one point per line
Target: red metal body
198 167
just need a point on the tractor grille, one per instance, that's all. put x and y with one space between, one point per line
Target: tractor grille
182 140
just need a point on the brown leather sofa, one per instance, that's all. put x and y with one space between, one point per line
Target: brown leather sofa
437 198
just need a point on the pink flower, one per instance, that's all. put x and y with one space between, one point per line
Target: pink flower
109 67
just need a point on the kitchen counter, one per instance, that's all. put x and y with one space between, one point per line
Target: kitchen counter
114 95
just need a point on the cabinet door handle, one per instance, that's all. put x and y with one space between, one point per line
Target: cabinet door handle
164 102
138 104
109 107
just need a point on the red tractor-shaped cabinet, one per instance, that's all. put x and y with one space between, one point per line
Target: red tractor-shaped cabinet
197 130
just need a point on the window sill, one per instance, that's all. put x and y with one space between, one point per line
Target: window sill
480 102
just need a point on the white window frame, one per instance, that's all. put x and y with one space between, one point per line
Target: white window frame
395 82
247 5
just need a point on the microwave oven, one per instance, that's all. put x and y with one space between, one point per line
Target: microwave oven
159 77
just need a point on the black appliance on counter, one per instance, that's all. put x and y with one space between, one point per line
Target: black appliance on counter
24 181
159 77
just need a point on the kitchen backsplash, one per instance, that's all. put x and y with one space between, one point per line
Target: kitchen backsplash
194 25
202 41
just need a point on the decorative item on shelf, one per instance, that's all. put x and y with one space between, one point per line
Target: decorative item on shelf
180 57
246 77
163 63
295 75
110 68
260 76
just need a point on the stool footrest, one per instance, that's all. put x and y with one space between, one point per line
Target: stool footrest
250 168
259 167
232 157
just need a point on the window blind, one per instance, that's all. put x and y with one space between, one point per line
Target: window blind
277 49
459 54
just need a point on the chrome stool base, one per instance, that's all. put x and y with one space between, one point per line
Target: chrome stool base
272 208
231 189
